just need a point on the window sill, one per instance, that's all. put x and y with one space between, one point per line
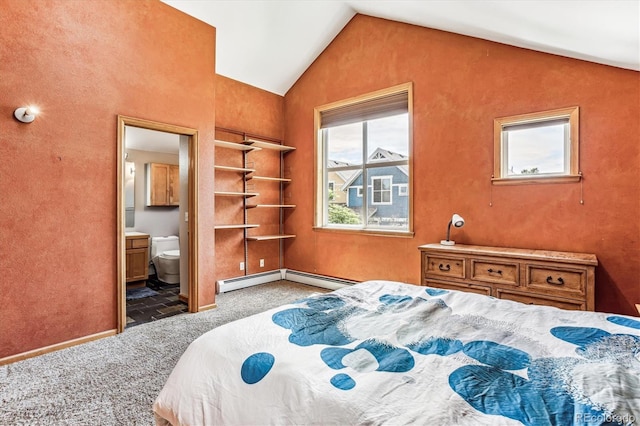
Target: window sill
538 180
371 232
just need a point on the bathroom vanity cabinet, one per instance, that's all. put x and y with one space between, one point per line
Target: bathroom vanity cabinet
137 256
162 184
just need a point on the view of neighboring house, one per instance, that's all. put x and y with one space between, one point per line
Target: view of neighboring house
387 189
336 180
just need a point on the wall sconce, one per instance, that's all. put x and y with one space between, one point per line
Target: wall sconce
458 222
26 114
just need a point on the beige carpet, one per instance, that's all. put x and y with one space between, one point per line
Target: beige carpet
114 381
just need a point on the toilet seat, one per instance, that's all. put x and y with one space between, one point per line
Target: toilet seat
171 254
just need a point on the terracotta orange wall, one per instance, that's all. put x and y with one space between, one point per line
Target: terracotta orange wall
84 64
251 110
460 85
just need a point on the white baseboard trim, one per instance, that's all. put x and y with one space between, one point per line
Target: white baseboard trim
282 274
248 281
316 280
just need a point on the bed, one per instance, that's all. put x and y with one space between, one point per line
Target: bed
383 352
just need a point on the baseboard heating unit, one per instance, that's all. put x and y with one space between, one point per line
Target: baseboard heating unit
282 274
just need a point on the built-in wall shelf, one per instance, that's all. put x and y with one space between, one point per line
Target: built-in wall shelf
268 145
272 179
235 194
285 206
238 146
234 169
254 162
236 226
269 237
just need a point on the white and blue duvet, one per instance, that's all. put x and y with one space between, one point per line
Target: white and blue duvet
383 352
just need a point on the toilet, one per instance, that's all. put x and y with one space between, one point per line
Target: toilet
165 255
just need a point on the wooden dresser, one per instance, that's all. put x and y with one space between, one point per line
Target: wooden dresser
560 279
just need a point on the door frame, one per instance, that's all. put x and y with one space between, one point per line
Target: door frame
192 218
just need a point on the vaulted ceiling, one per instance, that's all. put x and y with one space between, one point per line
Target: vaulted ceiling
270 43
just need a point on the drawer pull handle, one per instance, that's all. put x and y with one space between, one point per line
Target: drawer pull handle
491 271
551 281
445 269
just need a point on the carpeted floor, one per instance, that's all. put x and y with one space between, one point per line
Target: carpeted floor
114 381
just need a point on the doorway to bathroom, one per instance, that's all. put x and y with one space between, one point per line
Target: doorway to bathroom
157 233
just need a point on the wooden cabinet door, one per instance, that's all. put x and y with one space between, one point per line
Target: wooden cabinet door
174 185
163 184
137 264
159 184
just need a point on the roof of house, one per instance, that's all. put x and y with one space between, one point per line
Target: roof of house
345 175
379 154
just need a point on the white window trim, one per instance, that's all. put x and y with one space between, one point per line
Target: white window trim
382 203
403 190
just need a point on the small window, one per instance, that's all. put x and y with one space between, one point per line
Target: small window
403 190
359 194
381 187
331 185
537 148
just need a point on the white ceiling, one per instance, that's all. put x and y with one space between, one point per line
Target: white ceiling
270 43
151 140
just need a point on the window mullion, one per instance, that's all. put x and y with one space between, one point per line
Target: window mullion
325 177
567 148
365 177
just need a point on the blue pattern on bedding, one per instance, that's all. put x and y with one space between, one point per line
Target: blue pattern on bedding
497 355
390 299
436 346
627 322
256 367
436 291
343 381
508 382
544 398
387 357
318 323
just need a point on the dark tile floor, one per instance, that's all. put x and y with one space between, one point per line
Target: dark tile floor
164 304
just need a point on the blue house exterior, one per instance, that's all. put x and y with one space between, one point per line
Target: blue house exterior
387 191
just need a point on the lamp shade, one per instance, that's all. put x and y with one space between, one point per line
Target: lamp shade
458 222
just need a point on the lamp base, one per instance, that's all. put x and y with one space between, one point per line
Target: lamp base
447 242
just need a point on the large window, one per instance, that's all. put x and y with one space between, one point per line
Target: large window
539 147
364 149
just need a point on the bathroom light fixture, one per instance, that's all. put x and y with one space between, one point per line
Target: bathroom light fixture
26 114
458 222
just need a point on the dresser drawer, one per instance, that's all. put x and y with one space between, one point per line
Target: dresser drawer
495 272
561 279
531 299
470 288
558 281
139 242
452 267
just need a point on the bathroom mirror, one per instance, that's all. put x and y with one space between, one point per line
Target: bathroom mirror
129 194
